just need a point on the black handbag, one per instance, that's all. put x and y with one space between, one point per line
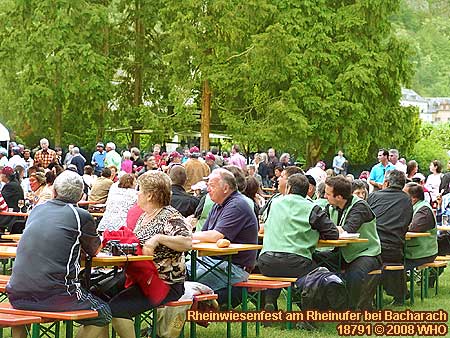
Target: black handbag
443 243
106 285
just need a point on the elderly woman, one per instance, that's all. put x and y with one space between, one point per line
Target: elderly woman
39 194
120 199
163 233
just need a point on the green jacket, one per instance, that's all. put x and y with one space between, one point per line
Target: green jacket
367 230
421 247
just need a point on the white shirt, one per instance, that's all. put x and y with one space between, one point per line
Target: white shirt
432 184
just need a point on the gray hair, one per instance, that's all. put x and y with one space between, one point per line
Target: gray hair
68 186
135 151
111 145
395 178
75 150
284 155
44 140
393 151
226 177
126 155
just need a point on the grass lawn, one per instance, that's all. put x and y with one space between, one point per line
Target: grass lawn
433 303
218 330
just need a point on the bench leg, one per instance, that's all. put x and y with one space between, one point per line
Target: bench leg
244 308
137 325
427 275
289 306
421 285
154 321
69 329
35 330
258 308
411 286
436 283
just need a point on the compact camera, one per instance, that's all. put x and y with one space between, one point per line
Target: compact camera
118 249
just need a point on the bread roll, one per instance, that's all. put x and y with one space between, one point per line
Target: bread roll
223 243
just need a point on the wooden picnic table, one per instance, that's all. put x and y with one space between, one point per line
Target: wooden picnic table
14 213
334 242
211 249
443 227
410 234
14 237
96 214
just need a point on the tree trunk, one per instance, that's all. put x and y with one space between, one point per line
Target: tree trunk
138 69
205 116
102 112
313 152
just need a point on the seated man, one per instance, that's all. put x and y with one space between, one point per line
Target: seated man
354 215
45 272
291 232
181 200
393 210
100 187
420 250
231 218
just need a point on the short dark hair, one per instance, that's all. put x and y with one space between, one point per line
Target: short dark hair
359 184
292 169
88 170
106 172
341 186
311 180
178 175
415 190
238 174
251 187
214 150
385 152
395 178
298 184
50 177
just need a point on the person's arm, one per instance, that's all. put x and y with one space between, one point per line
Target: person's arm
89 241
422 221
211 236
360 214
323 224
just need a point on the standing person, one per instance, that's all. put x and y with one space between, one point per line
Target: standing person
272 162
112 156
263 170
195 169
285 160
353 215
393 158
16 159
412 168
138 162
78 160
393 211
45 273
236 158
210 160
339 164
127 163
3 157
98 159
68 156
376 178
434 179
45 156
28 160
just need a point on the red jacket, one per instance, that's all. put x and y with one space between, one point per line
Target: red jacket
143 273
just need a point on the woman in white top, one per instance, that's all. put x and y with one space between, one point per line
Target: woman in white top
120 199
434 179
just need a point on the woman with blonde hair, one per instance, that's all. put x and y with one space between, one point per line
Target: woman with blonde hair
164 234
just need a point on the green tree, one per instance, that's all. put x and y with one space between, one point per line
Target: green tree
55 77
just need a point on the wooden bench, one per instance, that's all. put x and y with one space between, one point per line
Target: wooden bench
425 274
150 317
442 258
255 276
379 293
256 286
67 316
11 320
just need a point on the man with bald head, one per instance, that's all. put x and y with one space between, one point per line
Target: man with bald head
230 218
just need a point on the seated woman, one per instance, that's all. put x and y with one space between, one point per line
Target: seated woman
12 193
120 199
38 183
164 234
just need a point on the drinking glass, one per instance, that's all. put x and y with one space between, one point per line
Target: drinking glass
20 204
444 219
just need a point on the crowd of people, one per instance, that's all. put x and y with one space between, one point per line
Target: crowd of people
165 200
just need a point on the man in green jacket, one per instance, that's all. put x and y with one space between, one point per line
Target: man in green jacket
353 215
291 233
420 250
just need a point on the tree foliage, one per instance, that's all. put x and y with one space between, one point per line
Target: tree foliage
307 77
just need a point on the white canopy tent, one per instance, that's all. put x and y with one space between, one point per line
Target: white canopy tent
4 136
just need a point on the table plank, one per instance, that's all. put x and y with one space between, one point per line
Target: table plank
14 213
14 237
411 234
443 227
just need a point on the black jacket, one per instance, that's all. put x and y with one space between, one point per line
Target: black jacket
182 201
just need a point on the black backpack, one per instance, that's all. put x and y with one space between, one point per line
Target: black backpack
322 290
